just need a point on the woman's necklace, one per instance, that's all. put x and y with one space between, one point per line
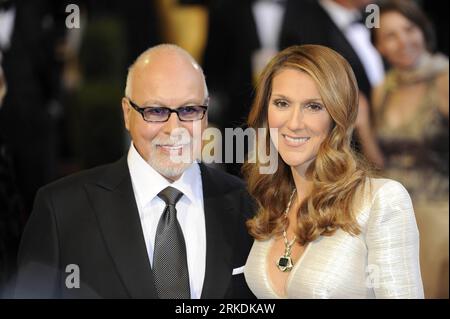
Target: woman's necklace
285 261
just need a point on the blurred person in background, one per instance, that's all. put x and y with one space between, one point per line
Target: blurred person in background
3 86
339 25
242 37
10 207
29 86
411 110
29 38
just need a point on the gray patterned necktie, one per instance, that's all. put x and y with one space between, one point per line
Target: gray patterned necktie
169 259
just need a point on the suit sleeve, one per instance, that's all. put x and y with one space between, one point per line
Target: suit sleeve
239 288
393 245
38 257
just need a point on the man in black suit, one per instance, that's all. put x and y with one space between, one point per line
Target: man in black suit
155 224
334 23
234 41
32 106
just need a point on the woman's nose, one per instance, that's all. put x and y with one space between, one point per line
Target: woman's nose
296 119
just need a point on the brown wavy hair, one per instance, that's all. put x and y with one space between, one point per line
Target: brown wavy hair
337 172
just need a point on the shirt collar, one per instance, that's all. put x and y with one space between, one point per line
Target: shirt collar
341 16
147 182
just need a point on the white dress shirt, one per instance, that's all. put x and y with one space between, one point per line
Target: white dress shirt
268 16
147 183
268 19
7 18
359 37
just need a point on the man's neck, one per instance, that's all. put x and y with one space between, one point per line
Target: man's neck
171 179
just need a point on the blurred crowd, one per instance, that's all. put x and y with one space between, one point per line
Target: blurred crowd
60 90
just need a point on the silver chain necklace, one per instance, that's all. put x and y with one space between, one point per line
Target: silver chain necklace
285 261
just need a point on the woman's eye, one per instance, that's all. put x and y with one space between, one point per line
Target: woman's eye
280 103
315 107
410 28
389 36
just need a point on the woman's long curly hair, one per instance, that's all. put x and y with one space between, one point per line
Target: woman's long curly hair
337 173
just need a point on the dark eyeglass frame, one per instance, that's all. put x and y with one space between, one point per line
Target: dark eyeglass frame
141 110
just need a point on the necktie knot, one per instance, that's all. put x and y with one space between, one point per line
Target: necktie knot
170 195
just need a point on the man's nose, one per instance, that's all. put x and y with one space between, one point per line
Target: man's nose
172 123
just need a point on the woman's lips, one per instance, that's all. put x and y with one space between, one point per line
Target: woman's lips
295 141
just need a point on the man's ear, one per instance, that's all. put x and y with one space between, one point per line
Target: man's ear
126 113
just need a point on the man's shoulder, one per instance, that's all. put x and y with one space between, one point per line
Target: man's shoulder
75 180
221 179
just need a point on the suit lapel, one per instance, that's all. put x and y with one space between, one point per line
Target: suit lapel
218 271
252 37
338 40
301 15
114 203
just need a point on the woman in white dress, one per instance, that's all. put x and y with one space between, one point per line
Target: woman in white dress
326 228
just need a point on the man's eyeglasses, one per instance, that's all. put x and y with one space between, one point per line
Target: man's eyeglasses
186 113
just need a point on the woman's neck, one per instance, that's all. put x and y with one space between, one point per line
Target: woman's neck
428 67
421 60
302 184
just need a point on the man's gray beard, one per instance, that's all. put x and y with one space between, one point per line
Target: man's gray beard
167 165
167 168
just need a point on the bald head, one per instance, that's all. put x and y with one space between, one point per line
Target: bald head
163 57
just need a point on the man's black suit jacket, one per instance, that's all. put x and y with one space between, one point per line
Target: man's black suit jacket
306 22
91 220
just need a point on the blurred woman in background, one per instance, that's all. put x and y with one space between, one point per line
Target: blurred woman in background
411 110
